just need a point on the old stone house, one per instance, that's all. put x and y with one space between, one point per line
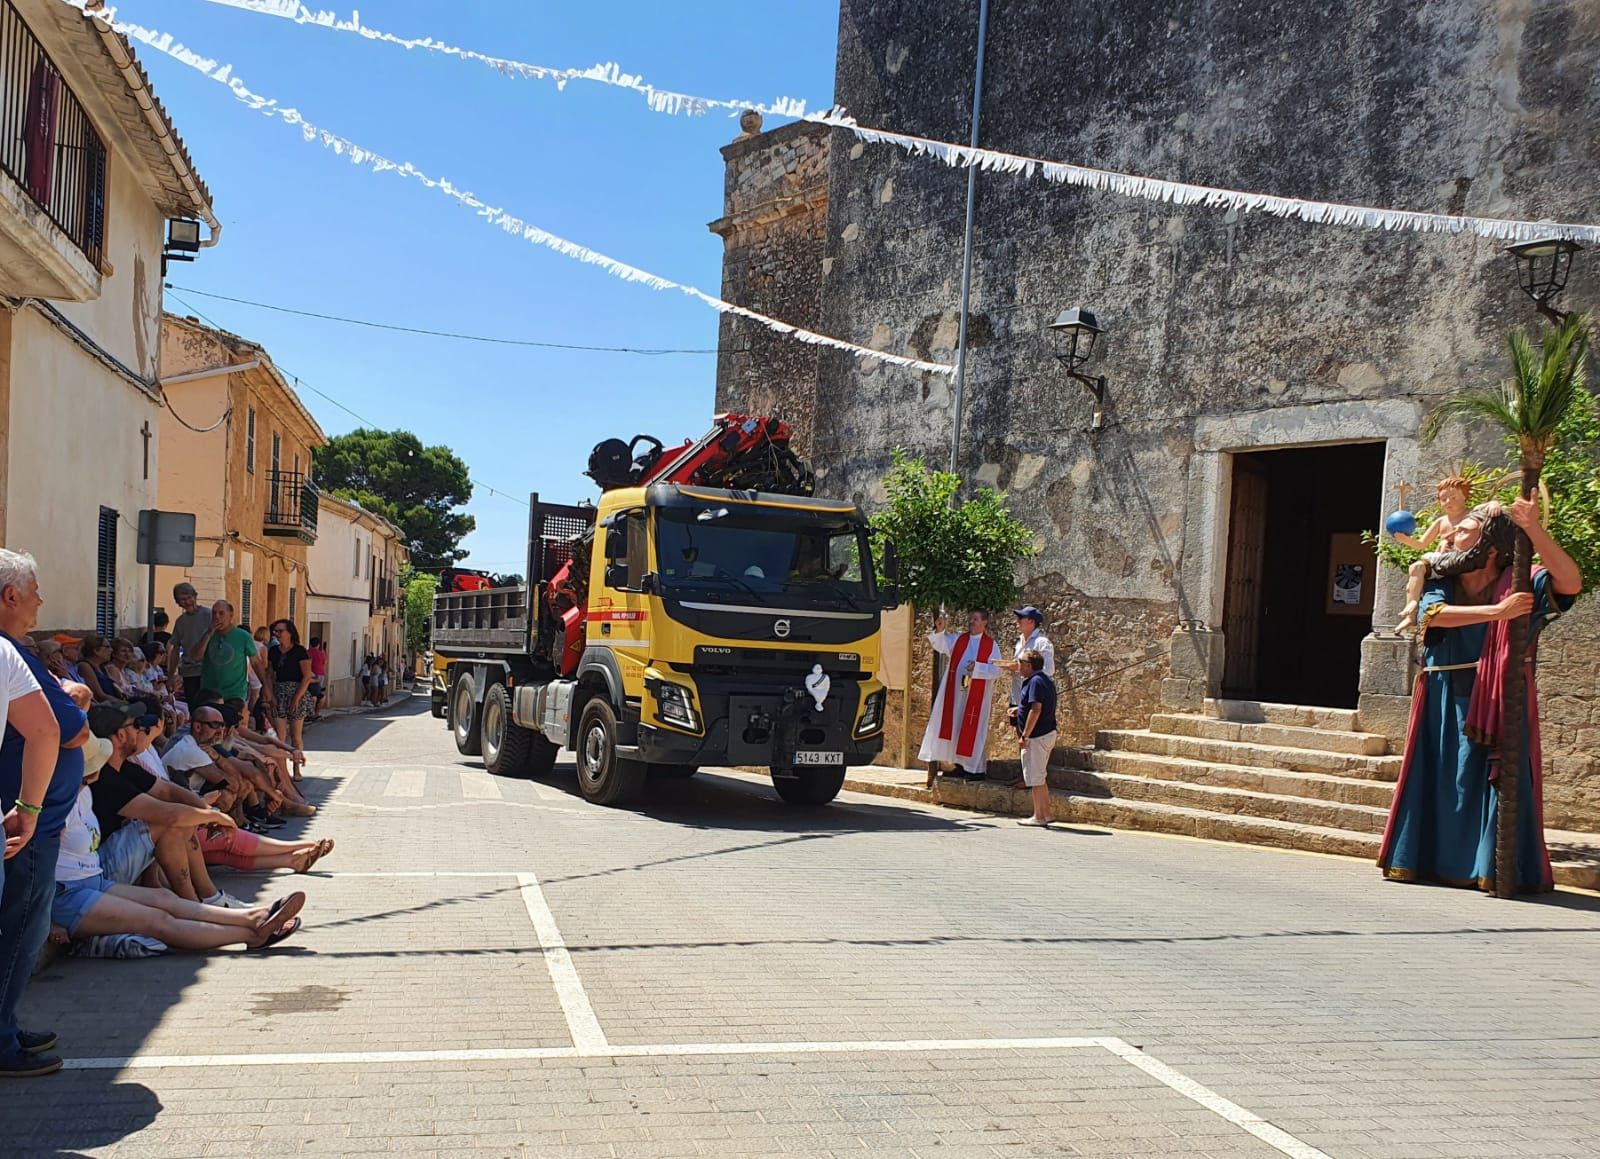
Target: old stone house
356 604
245 472
92 171
1267 379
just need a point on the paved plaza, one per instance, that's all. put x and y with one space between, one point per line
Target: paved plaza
495 967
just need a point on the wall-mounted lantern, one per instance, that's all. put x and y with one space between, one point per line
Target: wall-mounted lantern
1077 330
1544 264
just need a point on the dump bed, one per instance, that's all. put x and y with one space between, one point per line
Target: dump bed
504 620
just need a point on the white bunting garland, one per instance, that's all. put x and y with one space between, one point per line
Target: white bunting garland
611 73
1180 193
358 155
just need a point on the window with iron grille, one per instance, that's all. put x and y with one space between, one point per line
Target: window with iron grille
250 440
105 580
244 603
291 605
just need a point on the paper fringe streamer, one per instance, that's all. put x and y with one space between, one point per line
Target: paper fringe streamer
357 155
659 100
963 156
1179 193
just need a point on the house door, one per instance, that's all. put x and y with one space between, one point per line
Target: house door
1247 538
1300 581
272 604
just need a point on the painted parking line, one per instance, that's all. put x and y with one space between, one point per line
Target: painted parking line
581 1022
406 783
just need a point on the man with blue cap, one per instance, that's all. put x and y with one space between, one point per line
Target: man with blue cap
1030 635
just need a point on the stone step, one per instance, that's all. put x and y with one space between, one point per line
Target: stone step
1367 744
1225 752
1574 856
1223 799
1263 712
1322 786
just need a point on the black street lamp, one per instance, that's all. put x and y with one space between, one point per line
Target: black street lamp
1544 264
1078 330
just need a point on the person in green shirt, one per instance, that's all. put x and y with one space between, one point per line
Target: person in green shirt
225 653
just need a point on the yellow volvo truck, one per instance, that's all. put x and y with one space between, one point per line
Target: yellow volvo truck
670 627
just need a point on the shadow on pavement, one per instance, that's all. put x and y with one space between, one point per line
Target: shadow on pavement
85 1109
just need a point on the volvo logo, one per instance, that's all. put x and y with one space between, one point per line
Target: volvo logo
780 629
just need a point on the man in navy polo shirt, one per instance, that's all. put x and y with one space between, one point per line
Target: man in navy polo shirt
30 875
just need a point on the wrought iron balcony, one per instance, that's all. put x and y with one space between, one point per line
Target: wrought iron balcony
292 502
56 163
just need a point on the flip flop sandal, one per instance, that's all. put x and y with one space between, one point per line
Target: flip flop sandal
289 927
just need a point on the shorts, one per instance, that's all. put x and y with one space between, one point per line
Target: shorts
74 900
235 848
127 853
285 690
1036 759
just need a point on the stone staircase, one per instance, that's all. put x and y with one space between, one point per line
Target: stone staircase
1282 775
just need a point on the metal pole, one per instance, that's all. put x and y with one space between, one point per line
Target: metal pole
966 244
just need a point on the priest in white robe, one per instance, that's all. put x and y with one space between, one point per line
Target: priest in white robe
958 730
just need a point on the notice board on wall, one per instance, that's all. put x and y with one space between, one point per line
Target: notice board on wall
1352 575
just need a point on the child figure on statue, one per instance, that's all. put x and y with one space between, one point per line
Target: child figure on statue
1455 500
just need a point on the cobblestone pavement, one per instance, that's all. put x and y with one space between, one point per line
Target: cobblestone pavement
495 967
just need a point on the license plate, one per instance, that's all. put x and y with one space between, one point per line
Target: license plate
819 758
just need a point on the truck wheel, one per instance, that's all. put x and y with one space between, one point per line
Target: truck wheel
506 744
603 777
812 786
465 720
673 772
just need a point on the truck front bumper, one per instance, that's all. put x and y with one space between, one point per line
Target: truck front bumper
777 751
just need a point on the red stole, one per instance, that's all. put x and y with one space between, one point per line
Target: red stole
972 715
1486 709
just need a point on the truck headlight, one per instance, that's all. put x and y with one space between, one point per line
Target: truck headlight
872 713
675 706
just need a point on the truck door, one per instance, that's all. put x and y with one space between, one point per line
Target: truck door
619 612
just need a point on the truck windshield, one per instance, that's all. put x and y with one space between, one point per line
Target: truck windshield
759 552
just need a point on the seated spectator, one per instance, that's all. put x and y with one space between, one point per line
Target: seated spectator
88 903
144 675
144 820
96 652
118 668
268 754
49 652
71 654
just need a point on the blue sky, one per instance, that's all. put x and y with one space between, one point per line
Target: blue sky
304 228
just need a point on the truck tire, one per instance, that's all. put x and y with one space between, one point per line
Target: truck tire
603 777
466 721
436 706
542 755
673 772
506 744
810 786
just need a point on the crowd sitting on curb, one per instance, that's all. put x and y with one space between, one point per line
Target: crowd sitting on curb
126 775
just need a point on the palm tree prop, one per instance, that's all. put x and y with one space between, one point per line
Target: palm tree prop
1528 407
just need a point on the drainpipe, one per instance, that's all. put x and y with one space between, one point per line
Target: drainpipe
966 244
132 77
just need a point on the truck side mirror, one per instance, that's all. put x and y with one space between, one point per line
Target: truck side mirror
616 575
890 597
891 563
617 542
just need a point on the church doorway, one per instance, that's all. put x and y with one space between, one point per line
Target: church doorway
1300 582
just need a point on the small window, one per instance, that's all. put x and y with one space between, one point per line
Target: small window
105 586
291 605
638 550
250 440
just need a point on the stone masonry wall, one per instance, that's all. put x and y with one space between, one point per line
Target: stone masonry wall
1225 331
774 212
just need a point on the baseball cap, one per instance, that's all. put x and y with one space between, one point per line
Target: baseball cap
1031 612
108 716
64 639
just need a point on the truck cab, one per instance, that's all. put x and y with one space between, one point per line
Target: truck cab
718 627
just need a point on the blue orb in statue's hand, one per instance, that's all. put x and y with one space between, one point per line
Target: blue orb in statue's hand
1400 523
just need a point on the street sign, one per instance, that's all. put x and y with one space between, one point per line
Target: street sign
166 538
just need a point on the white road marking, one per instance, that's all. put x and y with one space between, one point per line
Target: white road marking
1275 1137
581 1022
406 783
479 786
